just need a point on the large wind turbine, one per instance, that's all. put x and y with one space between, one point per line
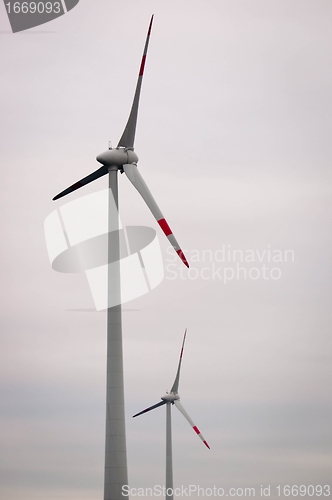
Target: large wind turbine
173 398
123 159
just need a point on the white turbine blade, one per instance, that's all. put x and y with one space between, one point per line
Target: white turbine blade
175 386
128 136
185 414
150 408
138 182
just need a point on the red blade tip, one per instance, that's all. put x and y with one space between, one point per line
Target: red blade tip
182 257
150 26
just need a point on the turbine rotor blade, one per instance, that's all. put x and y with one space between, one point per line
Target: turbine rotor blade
185 414
128 136
138 182
86 180
175 386
150 408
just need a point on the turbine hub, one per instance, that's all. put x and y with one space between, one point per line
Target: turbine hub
117 156
170 398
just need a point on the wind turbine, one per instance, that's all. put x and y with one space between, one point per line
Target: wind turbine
169 399
123 159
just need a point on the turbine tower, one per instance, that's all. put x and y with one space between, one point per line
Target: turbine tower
169 399
124 159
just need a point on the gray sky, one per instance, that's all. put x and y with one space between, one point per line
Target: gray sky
234 141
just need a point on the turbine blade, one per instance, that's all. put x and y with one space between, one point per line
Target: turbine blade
185 414
128 136
89 178
138 182
150 408
175 386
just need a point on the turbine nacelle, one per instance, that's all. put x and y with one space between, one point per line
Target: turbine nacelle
170 397
119 156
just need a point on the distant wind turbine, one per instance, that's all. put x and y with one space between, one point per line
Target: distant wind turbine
173 398
123 159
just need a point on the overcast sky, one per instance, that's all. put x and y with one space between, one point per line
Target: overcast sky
234 141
